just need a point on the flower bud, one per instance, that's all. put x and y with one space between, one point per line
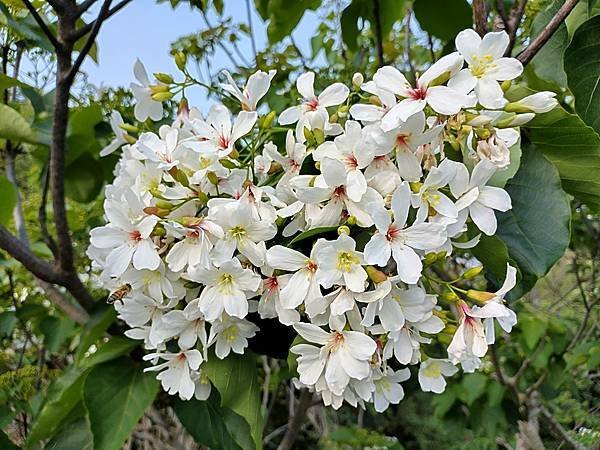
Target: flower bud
449 296
159 230
429 259
319 136
129 139
182 178
158 88
310 138
180 60
480 296
162 96
505 85
202 197
227 163
357 80
163 77
374 100
540 102
333 118
351 220
129 128
163 204
472 272
156 211
375 275
267 121
184 108
212 177
343 229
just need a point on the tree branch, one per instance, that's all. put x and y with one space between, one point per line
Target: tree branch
514 21
41 23
84 6
527 55
102 16
480 17
296 420
42 215
80 32
378 32
558 430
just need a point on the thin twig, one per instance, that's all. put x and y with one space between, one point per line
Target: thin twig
42 24
378 32
250 29
42 215
527 55
480 17
80 32
296 420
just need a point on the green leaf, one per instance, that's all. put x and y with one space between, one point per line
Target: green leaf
443 19
573 148
283 16
83 180
536 230
492 252
56 330
533 328
236 379
115 347
389 11
116 395
94 329
474 385
212 425
76 435
8 199
548 63
582 65
62 396
6 443
8 320
14 127
310 233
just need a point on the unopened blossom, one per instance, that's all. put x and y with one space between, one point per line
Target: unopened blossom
145 107
257 86
540 102
176 376
487 66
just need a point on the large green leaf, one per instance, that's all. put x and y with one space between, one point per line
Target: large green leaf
236 379
213 425
83 179
443 19
389 12
76 435
536 230
62 396
8 200
116 395
14 127
283 15
582 65
548 63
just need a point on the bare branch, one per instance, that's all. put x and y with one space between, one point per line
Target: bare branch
252 41
41 23
480 15
558 430
80 32
296 420
102 16
527 55
42 215
84 6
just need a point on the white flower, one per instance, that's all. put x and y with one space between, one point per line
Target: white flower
144 107
270 304
343 355
188 324
442 99
487 66
388 389
397 240
479 199
227 288
312 113
202 386
231 334
115 123
303 286
432 372
128 242
257 86
340 263
158 284
176 379
217 134
373 113
495 309
469 338
242 232
193 250
429 195
163 149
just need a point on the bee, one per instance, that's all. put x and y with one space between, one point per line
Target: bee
118 294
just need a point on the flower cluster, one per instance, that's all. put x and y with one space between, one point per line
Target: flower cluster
329 226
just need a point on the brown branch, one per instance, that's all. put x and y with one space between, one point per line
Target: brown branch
527 55
296 420
102 16
80 32
41 23
378 32
480 16
42 215
514 21
558 430
84 6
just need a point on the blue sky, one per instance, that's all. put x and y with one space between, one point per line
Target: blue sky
145 30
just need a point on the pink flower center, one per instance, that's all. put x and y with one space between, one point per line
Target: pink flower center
351 161
311 265
393 233
312 104
339 191
418 93
135 236
223 141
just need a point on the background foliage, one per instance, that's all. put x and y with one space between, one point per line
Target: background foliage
69 380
